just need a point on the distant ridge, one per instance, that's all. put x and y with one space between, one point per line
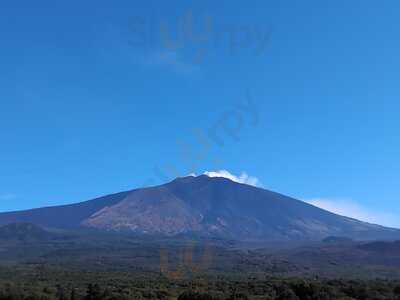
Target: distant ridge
24 232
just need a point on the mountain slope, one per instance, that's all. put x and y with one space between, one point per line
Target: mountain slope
208 207
64 216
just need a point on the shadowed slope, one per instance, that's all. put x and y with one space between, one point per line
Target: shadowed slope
64 216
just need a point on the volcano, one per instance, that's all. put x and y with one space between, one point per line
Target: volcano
204 206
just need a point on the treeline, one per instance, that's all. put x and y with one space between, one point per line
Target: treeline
274 289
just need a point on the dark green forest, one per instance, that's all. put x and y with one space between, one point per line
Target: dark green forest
47 266
63 285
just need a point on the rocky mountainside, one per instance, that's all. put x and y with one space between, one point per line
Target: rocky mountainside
208 207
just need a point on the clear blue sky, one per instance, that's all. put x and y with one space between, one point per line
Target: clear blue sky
93 99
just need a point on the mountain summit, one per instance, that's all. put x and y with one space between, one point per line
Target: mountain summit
204 206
